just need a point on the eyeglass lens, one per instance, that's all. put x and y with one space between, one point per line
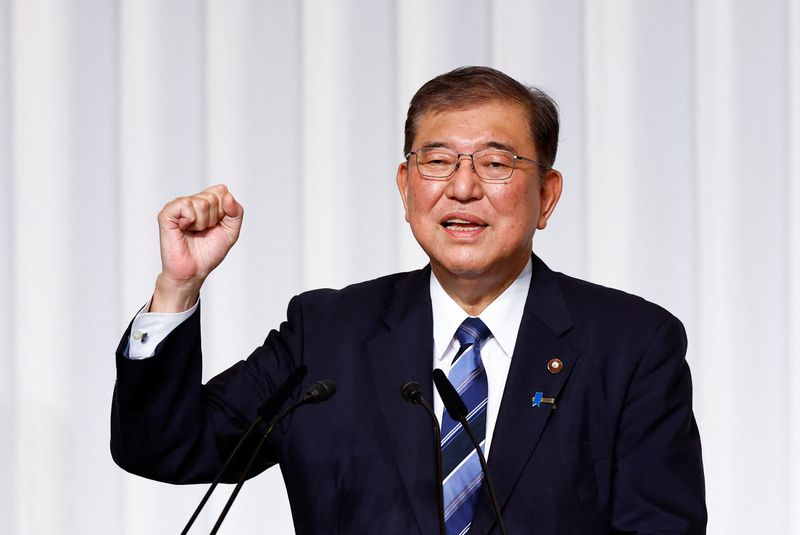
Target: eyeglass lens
441 162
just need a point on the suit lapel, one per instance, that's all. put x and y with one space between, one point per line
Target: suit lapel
519 424
402 353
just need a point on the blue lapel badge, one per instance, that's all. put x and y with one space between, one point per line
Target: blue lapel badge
538 398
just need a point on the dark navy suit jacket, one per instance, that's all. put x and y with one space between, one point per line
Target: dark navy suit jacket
619 453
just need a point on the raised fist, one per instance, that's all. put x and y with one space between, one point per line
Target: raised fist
196 233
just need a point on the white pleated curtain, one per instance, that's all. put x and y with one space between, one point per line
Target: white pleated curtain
680 148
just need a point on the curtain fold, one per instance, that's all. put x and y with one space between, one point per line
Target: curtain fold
680 149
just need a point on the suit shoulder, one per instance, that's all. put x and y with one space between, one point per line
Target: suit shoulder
588 299
619 328
362 299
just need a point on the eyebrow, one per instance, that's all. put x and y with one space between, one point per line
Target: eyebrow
434 145
498 145
488 145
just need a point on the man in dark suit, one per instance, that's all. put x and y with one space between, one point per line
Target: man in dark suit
581 394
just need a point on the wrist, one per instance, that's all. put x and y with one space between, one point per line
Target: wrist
174 295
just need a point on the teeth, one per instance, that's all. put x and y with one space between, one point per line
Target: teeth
463 225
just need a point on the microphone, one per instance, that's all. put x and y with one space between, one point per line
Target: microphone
319 392
412 393
265 412
458 411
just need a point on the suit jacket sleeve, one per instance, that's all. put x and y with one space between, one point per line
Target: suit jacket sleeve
658 482
166 425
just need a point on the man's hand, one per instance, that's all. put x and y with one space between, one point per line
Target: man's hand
196 233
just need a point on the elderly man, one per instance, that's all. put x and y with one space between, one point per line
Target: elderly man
579 394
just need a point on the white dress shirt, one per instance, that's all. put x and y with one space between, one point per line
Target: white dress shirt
150 328
503 317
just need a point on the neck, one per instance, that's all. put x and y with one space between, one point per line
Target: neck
475 293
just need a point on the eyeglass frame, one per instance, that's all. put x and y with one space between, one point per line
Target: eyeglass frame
471 155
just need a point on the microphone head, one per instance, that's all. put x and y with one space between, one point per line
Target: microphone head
452 401
320 391
411 392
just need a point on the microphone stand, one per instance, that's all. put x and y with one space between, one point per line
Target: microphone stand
456 408
219 476
412 393
319 392
265 412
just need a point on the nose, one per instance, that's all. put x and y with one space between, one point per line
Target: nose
464 184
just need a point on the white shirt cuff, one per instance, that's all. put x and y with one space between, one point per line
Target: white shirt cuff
151 328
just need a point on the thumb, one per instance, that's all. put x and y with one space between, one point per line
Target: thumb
232 220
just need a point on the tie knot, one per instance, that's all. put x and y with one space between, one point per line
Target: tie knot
472 331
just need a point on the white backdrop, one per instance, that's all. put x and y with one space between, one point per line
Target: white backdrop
680 148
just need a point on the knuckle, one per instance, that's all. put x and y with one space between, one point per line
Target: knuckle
217 189
172 208
183 202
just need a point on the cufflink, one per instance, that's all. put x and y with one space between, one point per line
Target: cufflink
140 336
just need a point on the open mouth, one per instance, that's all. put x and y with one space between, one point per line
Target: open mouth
462 225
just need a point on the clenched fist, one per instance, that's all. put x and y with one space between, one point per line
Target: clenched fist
196 233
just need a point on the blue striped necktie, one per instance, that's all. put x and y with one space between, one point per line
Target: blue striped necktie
461 468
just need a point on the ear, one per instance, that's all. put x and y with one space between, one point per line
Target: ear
549 194
402 185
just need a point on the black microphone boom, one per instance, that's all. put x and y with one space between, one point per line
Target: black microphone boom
319 392
458 410
270 408
413 394
265 413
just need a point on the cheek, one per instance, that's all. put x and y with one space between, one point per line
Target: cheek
521 206
520 215
420 201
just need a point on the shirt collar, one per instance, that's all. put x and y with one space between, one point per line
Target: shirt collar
503 315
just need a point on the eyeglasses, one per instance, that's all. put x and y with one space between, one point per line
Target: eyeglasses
491 165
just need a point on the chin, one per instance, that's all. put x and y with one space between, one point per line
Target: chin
463 267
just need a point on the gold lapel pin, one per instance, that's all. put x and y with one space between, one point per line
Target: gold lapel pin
555 365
